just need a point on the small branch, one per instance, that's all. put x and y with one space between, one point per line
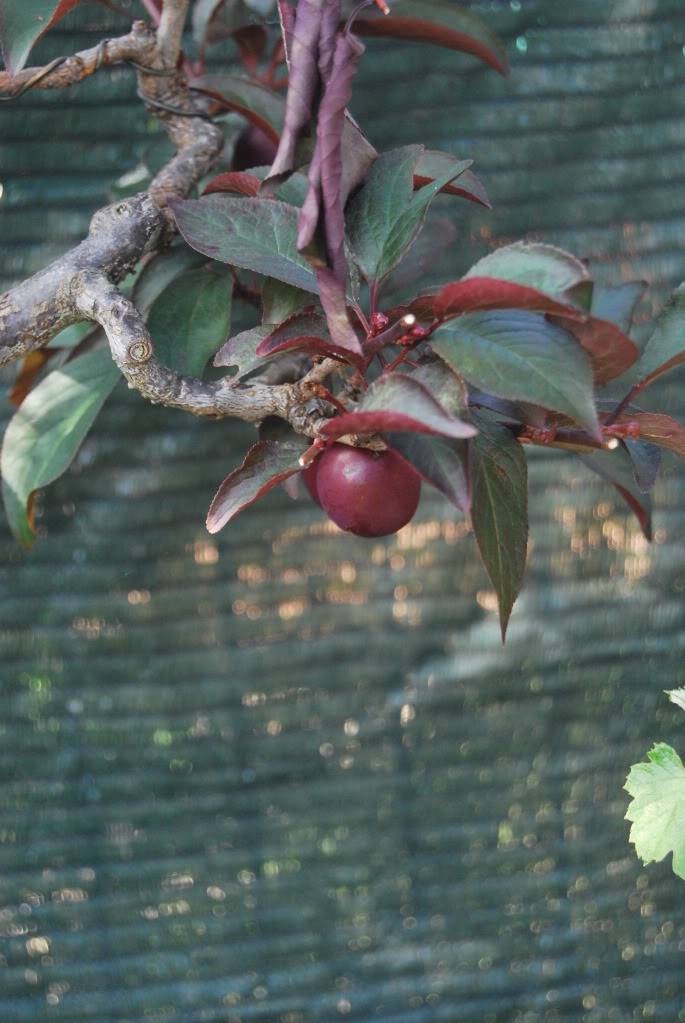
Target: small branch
138 45
133 351
170 31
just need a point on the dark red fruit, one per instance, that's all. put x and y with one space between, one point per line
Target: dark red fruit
252 149
370 493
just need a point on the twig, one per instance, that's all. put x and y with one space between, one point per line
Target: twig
170 31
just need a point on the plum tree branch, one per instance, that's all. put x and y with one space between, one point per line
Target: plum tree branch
132 349
82 284
138 45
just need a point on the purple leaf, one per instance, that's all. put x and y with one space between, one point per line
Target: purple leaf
305 332
266 464
395 402
333 300
286 17
659 429
611 351
440 22
477 293
234 181
302 84
327 39
323 207
321 218
296 326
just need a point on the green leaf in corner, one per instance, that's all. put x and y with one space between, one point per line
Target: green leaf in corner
22 22
657 809
45 433
499 511
191 318
386 214
518 355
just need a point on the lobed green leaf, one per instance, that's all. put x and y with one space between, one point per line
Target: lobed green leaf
657 808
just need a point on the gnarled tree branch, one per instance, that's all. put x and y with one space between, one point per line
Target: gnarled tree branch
97 299
82 284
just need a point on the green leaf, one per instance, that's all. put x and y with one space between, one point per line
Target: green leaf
45 433
439 461
386 214
255 234
534 264
519 355
657 809
241 349
499 511
191 318
259 105
441 22
22 22
617 303
279 301
446 386
266 464
617 468
160 272
665 349
231 13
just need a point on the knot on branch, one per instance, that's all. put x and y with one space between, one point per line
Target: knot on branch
140 351
137 217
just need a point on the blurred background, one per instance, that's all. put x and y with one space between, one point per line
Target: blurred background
283 774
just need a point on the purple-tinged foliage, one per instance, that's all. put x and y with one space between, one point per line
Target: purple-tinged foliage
302 85
440 22
267 463
396 402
